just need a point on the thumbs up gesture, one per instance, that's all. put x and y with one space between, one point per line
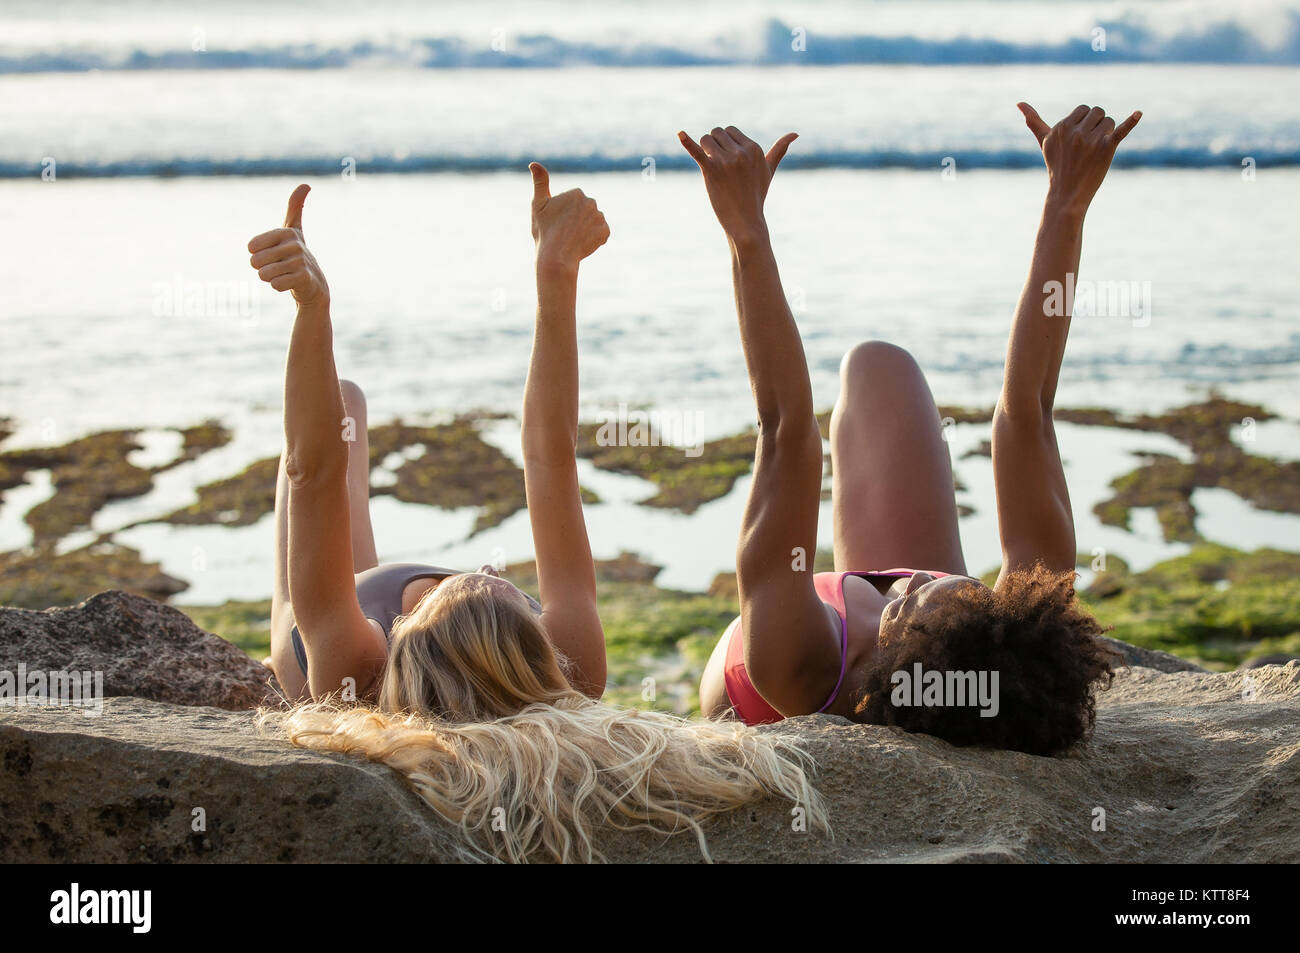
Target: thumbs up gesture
283 261
567 227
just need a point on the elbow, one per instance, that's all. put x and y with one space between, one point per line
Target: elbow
1032 414
543 442
308 469
794 438
548 451
1021 426
770 418
596 690
592 681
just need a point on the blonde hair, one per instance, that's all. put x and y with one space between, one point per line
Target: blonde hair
475 712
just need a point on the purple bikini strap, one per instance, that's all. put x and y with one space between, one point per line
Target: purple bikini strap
844 647
844 661
844 625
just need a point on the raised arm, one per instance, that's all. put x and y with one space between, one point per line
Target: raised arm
340 643
567 228
792 645
1034 515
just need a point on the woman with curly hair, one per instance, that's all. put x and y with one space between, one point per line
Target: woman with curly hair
928 648
485 699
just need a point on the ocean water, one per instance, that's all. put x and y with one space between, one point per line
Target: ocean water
146 142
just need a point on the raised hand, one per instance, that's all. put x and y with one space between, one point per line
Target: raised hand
1078 151
737 174
567 227
282 259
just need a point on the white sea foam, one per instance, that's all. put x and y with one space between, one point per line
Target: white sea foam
430 266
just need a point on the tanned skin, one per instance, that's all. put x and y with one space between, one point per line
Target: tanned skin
893 495
322 513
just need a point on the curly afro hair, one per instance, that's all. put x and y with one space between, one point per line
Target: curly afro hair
1032 631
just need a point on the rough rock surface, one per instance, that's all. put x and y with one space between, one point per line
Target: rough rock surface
1187 766
144 648
1151 658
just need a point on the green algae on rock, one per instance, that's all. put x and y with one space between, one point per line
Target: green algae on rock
240 500
456 468
1166 484
245 623
41 578
92 471
198 440
684 481
86 473
1216 605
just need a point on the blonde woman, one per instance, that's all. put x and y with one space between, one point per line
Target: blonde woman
486 700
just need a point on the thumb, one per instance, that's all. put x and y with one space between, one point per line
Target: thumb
541 183
778 150
1034 121
293 217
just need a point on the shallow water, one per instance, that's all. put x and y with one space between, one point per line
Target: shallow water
128 301
236 563
432 295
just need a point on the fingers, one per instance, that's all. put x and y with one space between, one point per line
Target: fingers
692 148
599 226
541 184
570 223
730 141
291 249
1125 127
1034 121
277 268
741 143
1087 119
293 216
280 255
722 142
275 236
740 140
778 150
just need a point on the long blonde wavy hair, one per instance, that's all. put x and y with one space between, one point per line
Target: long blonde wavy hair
475 711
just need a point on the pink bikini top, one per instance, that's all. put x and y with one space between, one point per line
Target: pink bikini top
751 707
